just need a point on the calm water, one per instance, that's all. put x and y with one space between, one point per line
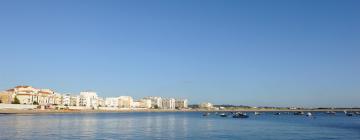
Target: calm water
177 126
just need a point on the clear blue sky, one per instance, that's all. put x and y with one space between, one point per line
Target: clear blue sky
275 53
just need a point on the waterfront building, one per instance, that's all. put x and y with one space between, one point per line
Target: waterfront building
101 102
135 104
89 99
145 103
181 103
6 97
45 97
25 94
31 95
206 105
156 102
142 103
66 100
125 101
112 102
74 101
168 103
57 97
86 100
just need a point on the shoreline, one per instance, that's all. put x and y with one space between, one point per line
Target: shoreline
51 111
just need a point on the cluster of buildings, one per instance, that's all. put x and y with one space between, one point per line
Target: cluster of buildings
88 100
206 105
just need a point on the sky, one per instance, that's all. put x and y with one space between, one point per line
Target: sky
243 52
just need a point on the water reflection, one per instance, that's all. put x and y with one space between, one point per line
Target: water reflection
171 126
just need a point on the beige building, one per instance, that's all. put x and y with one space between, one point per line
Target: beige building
145 103
206 105
30 95
142 103
58 99
25 94
125 102
6 97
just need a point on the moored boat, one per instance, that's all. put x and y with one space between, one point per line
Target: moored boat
309 114
257 113
240 115
277 113
206 114
330 112
299 113
348 113
223 115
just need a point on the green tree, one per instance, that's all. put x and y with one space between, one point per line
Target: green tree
16 101
156 107
35 103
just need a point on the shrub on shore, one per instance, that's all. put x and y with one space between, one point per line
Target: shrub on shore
16 101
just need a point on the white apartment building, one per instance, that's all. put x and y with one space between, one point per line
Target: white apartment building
181 103
56 99
66 100
101 102
168 103
74 101
156 102
112 102
135 104
89 99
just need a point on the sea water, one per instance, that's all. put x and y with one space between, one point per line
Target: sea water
178 125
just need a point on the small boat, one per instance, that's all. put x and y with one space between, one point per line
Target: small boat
330 112
223 115
309 114
299 113
348 113
206 114
257 113
240 115
357 113
277 113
